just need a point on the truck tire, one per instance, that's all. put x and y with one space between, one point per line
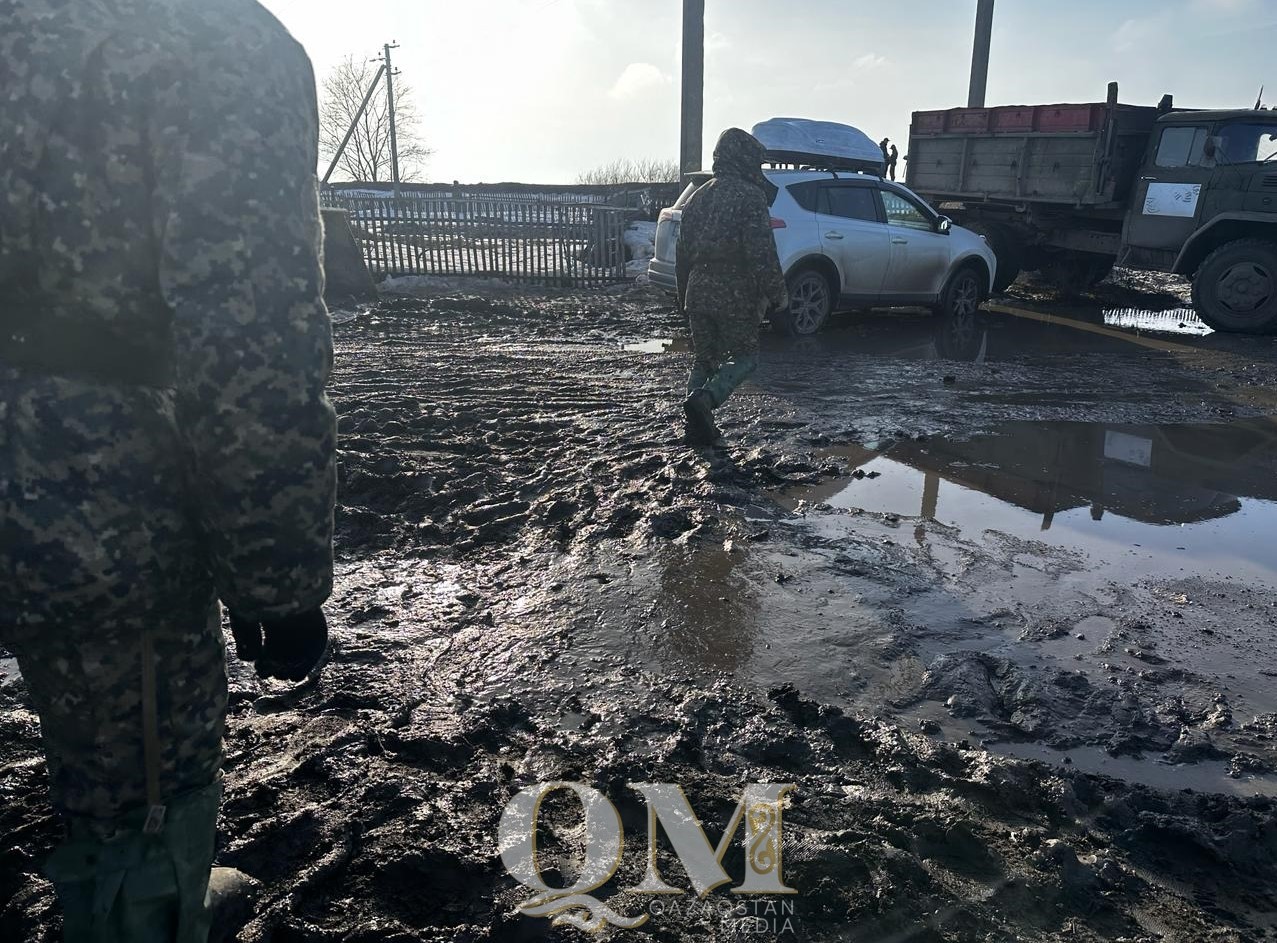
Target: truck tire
1235 289
1006 249
1009 255
811 301
1071 272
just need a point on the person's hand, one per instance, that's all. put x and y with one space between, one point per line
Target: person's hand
288 648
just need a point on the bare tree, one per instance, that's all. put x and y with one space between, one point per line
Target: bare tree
367 156
624 170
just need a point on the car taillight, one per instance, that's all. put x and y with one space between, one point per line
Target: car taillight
779 223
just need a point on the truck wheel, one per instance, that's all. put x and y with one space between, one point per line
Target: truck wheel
1236 287
811 300
1006 250
1071 272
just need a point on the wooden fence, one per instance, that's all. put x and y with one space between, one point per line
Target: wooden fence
569 245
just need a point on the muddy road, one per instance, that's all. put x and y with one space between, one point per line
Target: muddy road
998 599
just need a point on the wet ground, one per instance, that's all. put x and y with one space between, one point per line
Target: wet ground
998 601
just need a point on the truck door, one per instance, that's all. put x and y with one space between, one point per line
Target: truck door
1164 210
854 236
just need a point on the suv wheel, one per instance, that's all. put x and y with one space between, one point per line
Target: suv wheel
810 302
1236 287
961 299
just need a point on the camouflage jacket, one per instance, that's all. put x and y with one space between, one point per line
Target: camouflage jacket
157 192
726 223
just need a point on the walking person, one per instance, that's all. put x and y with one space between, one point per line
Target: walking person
728 274
165 437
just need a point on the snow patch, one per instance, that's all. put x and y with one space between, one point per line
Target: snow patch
640 248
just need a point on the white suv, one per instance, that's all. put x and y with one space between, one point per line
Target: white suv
854 240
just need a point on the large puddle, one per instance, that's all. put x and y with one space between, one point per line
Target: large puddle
1148 499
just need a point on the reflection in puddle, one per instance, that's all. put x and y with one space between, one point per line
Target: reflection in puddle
659 345
1156 500
708 609
1174 321
1206 776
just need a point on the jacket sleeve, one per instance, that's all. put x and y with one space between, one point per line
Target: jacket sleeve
238 232
759 247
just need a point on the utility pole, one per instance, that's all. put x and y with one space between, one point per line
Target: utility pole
691 144
390 101
980 53
354 123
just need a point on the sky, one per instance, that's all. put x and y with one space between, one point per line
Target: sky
539 91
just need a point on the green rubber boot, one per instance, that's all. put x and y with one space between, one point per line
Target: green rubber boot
136 887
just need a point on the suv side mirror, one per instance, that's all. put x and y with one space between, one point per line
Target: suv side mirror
944 225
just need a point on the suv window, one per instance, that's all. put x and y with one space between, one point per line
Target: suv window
849 203
1181 147
806 194
687 192
904 212
1245 143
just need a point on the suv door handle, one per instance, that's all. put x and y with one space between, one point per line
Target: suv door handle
897 241
833 235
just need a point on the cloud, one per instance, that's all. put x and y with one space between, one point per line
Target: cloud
870 60
716 42
638 79
1139 34
1222 6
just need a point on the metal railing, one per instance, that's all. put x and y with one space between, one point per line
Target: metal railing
570 245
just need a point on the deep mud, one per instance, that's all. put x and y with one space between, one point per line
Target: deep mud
997 730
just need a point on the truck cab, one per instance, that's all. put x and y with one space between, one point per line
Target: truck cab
1071 189
1205 206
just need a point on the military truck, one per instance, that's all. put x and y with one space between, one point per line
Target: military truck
1070 190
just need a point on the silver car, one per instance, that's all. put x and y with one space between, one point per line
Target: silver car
850 240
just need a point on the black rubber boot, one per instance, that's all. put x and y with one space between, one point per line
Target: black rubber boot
700 419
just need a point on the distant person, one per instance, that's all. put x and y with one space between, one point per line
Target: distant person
892 156
886 157
165 437
728 273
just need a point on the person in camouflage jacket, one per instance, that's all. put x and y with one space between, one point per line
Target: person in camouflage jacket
728 274
165 437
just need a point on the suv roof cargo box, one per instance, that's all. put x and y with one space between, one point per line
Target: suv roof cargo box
822 144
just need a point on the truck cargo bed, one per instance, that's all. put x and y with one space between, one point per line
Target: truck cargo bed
1071 154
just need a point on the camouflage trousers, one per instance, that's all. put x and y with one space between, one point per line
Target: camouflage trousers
105 597
85 682
723 314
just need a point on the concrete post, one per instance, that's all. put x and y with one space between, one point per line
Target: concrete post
980 53
390 101
691 145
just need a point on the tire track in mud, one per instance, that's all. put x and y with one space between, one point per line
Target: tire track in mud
504 472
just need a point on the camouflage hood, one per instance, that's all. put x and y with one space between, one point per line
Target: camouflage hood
739 154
